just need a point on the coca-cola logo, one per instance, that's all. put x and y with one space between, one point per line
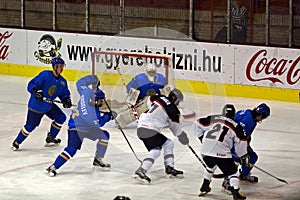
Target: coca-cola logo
276 70
4 48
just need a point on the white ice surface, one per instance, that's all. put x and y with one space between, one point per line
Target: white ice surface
22 175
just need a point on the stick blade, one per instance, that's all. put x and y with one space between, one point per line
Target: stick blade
282 180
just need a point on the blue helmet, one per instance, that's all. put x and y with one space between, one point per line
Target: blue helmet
99 94
57 60
263 110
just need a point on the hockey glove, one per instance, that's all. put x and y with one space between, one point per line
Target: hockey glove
67 103
38 94
114 114
245 160
183 139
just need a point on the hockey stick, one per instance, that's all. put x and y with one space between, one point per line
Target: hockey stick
119 127
279 179
203 164
252 165
121 77
53 101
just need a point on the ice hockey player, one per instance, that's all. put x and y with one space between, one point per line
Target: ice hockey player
147 83
163 112
138 89
219 134
48 84
248 119
86 122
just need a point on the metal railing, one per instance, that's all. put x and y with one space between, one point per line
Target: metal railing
194 19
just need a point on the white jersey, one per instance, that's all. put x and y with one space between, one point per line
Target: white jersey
220 136
162 113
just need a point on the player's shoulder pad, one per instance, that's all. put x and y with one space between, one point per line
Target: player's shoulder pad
206 121
170 108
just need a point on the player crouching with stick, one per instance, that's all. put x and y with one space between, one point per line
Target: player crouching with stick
85 122
163 112
219 134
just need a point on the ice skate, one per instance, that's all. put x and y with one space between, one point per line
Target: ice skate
205 188
98 163
226 186
237 195
51 141
249 178
140 175
173 173
15 146
51 171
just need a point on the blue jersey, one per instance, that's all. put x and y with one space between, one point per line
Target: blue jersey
245 118
86 115
52 87
142 83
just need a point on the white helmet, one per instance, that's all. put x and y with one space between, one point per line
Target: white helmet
151 68
151 71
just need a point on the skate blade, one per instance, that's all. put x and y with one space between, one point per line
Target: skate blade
202 194
137 178
103 169
51 144
170 176
14 149
50 174
226 191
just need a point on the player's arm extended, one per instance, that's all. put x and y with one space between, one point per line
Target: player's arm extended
85 81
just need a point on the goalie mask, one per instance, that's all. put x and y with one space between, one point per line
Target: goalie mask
151 72
228 111
97 97
175 96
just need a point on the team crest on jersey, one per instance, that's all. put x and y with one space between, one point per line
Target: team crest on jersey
47 49
52 90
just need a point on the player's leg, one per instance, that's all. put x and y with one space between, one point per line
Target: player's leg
229 169
245 173
153 141
171 172
74 144
207 174
101 147
58 117
32 121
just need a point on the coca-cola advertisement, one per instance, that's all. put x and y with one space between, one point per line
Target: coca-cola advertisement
4 46
13 48
269 67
